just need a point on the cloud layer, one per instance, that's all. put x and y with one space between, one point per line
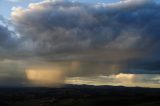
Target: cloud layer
69 26
129 27
92 39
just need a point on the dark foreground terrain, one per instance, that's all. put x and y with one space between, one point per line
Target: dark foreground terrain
74 95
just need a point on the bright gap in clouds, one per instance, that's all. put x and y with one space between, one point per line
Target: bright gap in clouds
121 79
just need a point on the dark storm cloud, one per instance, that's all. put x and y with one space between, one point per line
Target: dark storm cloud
68 26
125 33
80 40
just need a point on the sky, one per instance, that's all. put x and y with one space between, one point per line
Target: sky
93 42
7 5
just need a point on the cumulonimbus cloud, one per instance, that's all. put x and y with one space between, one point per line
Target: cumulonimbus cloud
68 25
95 39
95 32
73 26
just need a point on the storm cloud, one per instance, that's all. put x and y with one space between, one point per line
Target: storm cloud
124 33
89 39
72 26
